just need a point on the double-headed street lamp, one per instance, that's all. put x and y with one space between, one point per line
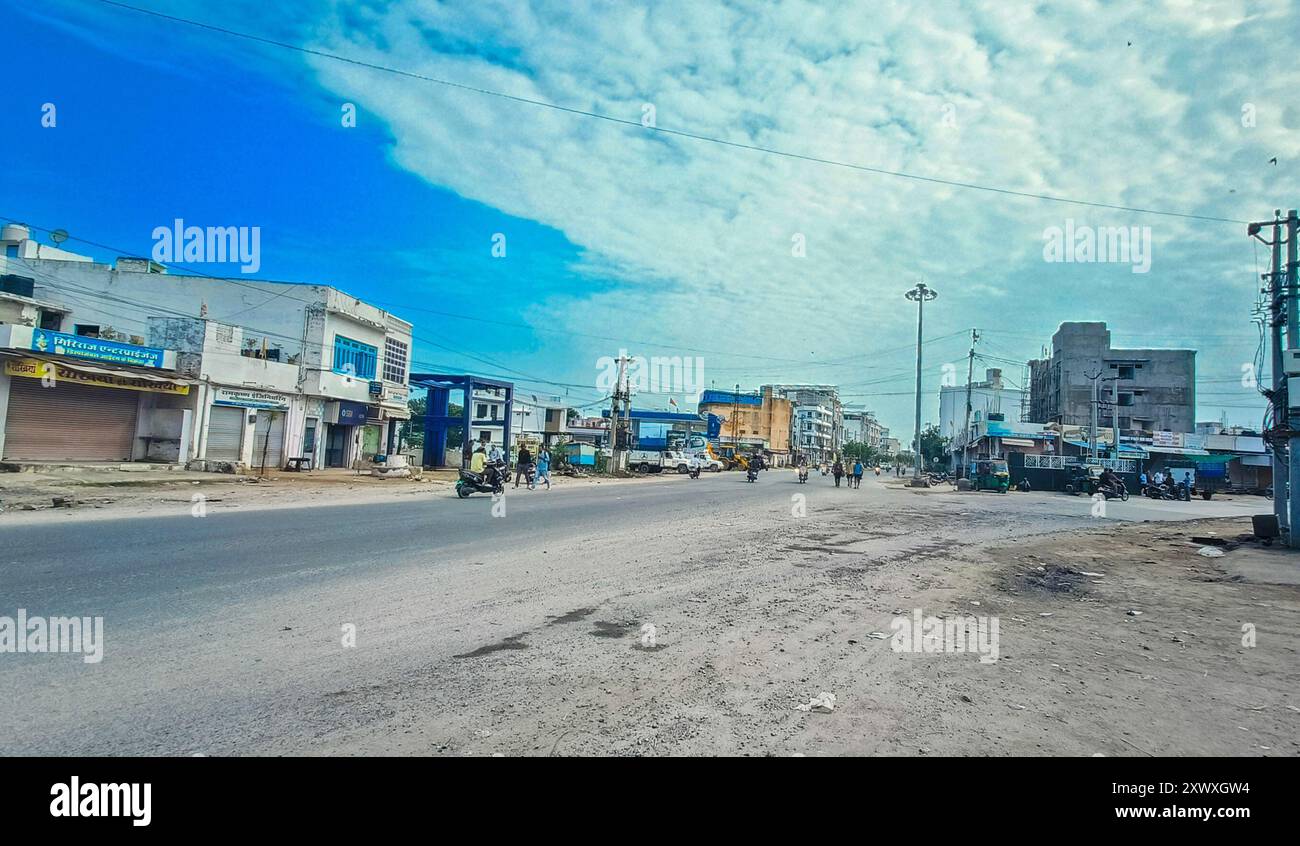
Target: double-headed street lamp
922 294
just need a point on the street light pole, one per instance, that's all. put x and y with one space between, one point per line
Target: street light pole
921 294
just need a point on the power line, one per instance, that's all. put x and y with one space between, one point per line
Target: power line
694 136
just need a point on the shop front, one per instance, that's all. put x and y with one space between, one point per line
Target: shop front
247 426
65 411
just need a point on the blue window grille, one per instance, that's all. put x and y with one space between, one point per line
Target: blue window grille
354 358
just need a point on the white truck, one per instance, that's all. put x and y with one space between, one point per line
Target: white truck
656 461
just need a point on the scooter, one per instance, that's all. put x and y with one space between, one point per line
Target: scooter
491 480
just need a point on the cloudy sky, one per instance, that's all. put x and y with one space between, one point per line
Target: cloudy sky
770 267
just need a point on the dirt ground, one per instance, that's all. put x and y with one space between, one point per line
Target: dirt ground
28 497
1144 657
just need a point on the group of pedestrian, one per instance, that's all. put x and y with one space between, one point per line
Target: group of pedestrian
533 471
851 475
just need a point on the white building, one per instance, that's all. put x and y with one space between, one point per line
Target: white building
863 427
142 365
988 399
814 432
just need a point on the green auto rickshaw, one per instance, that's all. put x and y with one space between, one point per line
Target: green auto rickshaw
990 475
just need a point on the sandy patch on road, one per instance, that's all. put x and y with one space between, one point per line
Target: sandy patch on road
746 632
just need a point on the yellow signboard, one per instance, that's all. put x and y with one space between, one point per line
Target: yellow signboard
37 369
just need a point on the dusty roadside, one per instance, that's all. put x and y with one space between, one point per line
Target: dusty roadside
1124 640
27 498
747 634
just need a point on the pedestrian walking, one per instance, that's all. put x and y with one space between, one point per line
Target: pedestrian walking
523 466
543 468
857 473
838 472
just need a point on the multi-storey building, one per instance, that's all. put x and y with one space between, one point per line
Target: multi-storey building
812 427
827 396
1155 388
131 363
751 420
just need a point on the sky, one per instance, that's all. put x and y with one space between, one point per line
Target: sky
778 251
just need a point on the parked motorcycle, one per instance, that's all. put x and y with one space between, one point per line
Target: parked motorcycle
492 480
1162 492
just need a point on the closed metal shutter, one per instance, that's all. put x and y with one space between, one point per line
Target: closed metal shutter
268 422
225 432
69 422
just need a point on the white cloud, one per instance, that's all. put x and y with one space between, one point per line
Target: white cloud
1046 98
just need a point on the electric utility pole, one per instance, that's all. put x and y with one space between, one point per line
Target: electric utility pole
921 294
970 374
1092 415
1292 343
1114 417
618 419
1277 396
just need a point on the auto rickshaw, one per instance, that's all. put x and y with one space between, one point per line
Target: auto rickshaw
990 475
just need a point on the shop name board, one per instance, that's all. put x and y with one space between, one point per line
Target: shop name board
353 413
250 399
35 369
95 349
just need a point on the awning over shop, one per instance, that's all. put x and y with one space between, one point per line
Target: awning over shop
1021 442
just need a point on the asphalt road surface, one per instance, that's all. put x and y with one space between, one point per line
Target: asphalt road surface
520 633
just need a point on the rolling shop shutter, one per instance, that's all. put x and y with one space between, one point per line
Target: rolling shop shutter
69 422
225 431
272 423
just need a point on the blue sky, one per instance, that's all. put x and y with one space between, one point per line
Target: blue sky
666 246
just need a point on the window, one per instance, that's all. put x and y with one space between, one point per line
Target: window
354 358
481 412
395 360
494 412
51 320
86 330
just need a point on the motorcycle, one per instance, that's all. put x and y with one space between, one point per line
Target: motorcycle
751 475
1164 491
492 480
1117 491
803 475
694 471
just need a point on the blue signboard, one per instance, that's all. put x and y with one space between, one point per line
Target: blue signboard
95 349
353 413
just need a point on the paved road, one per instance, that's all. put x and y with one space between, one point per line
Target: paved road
224 633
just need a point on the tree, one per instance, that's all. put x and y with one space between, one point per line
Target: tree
856 449
934 447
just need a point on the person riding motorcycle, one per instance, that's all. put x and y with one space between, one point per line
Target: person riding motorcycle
1109 481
